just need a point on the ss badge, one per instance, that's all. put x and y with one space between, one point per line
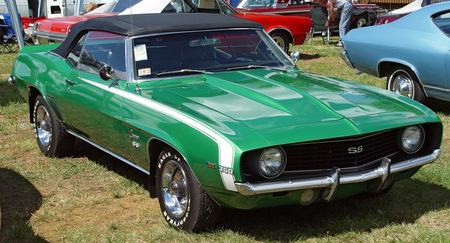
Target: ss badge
355 150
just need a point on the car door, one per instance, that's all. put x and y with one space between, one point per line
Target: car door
94 110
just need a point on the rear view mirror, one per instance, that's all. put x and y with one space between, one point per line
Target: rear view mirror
204 42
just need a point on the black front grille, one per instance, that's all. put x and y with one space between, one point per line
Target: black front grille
343 153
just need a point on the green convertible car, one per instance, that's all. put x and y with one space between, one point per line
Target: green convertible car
218 116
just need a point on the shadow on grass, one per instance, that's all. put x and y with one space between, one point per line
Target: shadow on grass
111 163
305 56
407 201
438 106
9 94
18 200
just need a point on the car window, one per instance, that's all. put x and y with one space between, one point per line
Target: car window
102 48
74 56
428 2
225 8
442 20
208 51
206 6
174 6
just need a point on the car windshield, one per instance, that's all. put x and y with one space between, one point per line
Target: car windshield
205 52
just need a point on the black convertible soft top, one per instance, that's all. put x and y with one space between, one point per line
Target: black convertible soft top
140 24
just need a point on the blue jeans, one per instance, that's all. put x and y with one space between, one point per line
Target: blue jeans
344 23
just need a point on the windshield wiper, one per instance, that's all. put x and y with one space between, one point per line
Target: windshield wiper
181 72
255 67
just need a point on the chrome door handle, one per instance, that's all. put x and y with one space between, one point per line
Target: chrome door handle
70 82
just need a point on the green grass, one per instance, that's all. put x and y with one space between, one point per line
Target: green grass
90 197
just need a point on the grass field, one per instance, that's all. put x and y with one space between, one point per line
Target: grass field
91 198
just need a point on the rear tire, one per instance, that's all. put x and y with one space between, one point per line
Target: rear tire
183 202
403 81
52 138
360 22
281 39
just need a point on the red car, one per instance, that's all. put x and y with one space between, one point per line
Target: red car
284 30
364 14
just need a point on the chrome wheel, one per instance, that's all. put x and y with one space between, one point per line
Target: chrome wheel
403 81
403 85
51 137
281 39
362 22
175 188
43 126
183 202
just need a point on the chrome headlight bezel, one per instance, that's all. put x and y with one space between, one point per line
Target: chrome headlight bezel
271 162
412 139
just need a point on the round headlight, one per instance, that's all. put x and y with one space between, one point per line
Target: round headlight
272 162
412 139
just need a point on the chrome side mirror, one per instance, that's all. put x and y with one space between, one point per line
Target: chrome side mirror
295 56
107 73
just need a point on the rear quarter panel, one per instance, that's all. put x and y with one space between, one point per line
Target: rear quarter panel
422 48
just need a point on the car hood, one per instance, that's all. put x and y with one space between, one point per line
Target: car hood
277 105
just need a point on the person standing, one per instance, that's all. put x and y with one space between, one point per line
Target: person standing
345 8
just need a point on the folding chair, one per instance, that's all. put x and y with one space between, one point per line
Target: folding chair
319 17
8 38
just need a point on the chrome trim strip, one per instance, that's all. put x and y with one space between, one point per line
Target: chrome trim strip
248 189
50 35
109 152
285 12
436 88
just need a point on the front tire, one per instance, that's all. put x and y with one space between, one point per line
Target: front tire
183 202
403 81
51 136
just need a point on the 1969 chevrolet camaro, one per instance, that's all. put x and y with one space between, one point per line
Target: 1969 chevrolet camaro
217 115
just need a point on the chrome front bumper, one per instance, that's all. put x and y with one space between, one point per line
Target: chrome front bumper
332 181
